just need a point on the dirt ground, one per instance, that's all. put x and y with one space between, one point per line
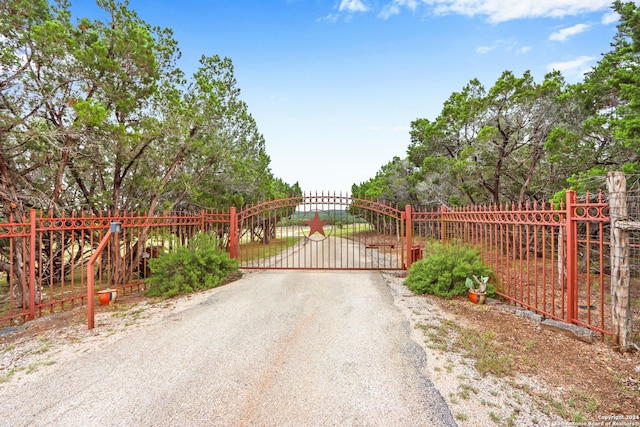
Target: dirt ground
592 379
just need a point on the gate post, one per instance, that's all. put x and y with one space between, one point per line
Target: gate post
233 232
409 234
571 258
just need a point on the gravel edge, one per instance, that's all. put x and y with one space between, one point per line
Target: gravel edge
473 399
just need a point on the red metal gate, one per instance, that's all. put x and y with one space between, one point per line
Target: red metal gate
320 232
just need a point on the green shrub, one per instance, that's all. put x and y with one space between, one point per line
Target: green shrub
444 270
199 265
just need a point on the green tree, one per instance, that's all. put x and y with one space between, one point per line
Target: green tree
393 184
625 77
607 106
521 140
509 152
96 115
488 146
75 103
217 155
438 147
29 145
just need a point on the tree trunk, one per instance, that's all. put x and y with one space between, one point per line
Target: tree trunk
12 207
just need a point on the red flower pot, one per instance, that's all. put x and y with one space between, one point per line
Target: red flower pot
477 297
104 297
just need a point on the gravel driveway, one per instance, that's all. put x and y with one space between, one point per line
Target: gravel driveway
274 348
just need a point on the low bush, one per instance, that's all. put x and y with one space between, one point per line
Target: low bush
199 265
444 270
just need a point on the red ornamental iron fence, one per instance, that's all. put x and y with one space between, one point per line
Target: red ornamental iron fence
45 257
549 259
553 260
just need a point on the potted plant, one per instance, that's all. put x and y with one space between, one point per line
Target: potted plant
477 295
107 296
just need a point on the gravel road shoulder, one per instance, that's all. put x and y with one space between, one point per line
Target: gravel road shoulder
474 399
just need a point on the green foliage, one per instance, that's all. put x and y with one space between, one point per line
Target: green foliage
444 270
198 265
632 168
482 283
483 136
90 112
131 130
394 184
582 182
521 140
559 198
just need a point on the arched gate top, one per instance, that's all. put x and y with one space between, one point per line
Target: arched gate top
321 200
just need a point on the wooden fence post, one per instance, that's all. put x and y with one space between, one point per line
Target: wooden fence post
620 279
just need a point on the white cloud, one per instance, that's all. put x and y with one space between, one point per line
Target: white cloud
345 10
524 49
389 10
565 33
395 7
352 6
575 68
482 50
495 11
610 18
332 17
506 10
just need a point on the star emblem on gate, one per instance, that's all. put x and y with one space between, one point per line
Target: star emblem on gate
317 225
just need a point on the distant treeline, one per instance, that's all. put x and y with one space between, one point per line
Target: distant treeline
334 216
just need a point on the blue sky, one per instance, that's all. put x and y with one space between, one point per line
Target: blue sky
335 84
